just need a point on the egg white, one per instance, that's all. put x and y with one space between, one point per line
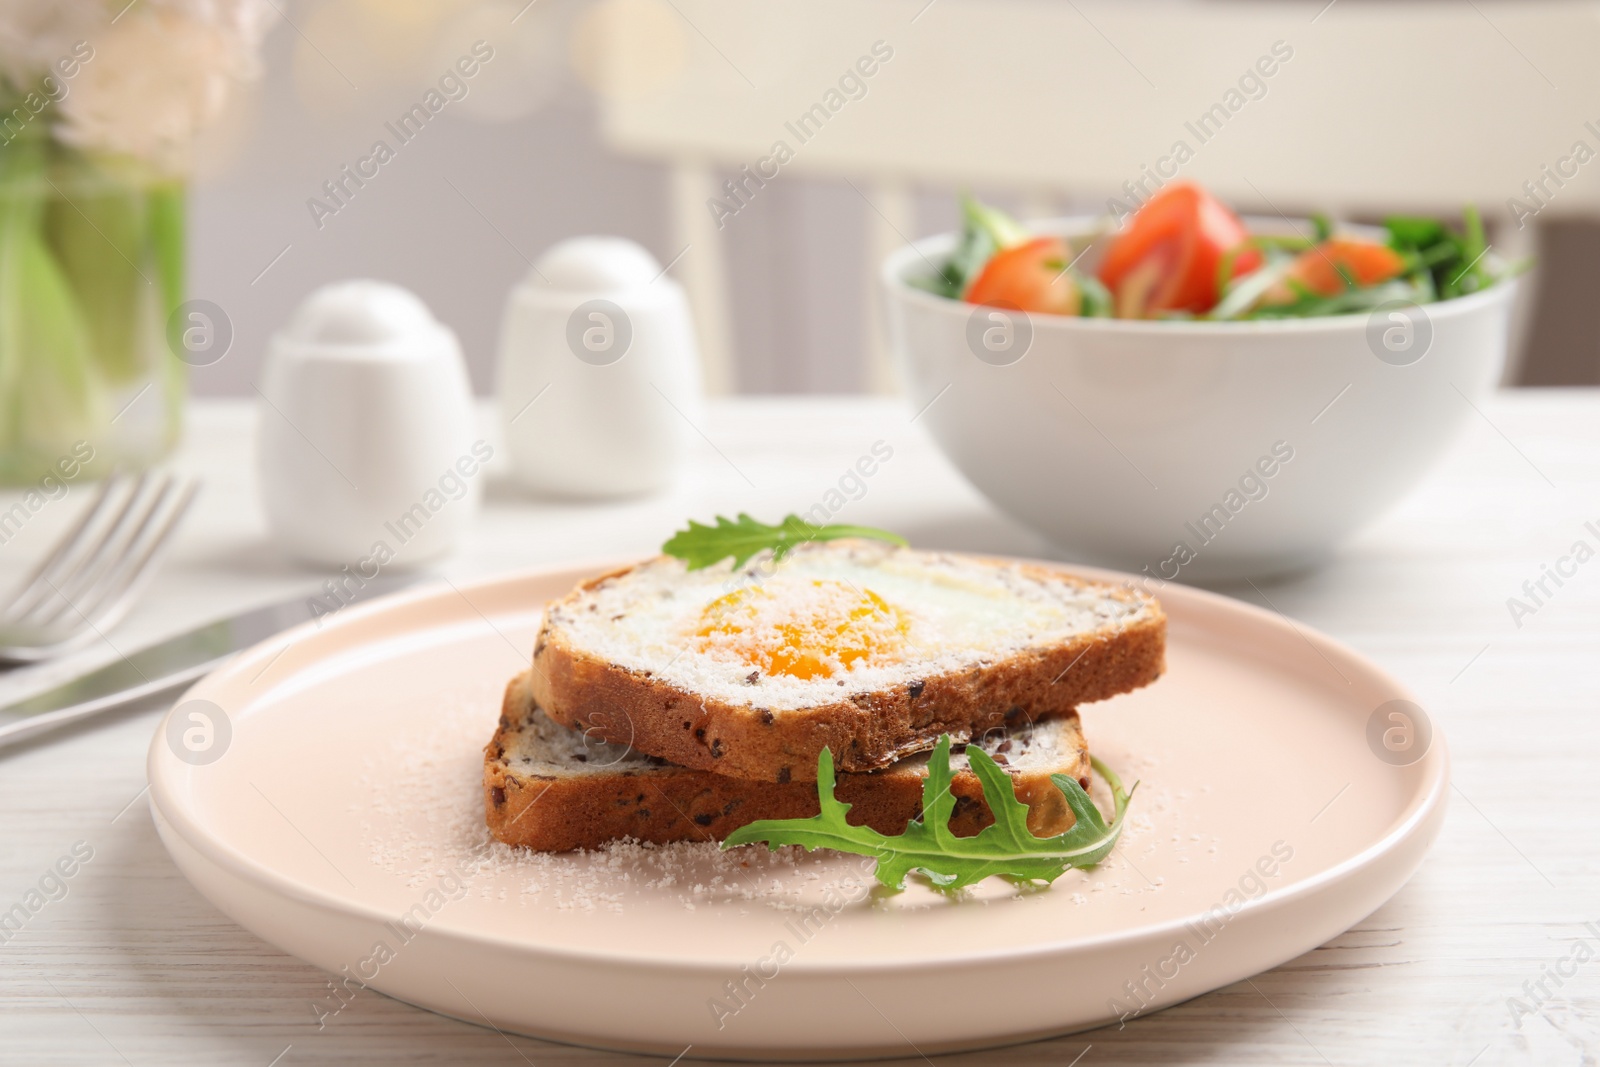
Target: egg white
961 612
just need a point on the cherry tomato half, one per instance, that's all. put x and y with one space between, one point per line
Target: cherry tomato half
1323 269
1029 277
1168 257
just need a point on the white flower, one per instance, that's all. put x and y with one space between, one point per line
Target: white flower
36 33
160 70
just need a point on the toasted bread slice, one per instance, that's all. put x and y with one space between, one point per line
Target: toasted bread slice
552 788
869 650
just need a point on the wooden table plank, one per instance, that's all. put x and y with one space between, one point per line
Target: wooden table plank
132 965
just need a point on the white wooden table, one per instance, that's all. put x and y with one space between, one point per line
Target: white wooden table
132 966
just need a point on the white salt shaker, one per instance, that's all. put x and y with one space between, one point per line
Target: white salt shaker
599 372
366 442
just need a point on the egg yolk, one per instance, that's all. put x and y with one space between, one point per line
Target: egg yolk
804 630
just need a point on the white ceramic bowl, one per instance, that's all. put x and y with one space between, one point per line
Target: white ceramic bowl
1192 450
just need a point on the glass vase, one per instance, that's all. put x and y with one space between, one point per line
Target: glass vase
91 273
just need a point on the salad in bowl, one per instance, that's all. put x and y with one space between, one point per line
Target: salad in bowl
1185 255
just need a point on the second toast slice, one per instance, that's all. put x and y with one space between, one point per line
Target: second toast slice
552 788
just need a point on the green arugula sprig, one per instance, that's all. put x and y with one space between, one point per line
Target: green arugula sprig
1006 847
701 545
1454 262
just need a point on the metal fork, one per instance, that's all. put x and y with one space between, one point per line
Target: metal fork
96 572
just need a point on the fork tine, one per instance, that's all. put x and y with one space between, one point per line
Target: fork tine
107 602
80 592
24 596
88 567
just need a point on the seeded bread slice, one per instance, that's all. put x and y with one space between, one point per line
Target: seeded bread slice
954 644
552 788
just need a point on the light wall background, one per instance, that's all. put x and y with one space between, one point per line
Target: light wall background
465 205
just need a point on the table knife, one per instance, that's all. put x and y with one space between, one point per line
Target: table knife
166 665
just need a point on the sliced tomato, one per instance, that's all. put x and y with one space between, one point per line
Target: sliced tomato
1331 267
1169 256
1031 276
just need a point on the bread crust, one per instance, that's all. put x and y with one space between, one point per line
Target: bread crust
864 730
558 814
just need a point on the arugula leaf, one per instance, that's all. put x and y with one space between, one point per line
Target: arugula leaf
1407 232
1474 247
1002 230
1097 300
1006 847
701 545
1274 246
1457 263
985 230
1308 304
1240 295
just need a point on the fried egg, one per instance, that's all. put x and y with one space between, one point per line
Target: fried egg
855 614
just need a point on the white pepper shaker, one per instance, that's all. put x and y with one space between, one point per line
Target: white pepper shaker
366 443
599 372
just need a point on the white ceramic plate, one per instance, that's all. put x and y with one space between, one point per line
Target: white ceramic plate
1279 805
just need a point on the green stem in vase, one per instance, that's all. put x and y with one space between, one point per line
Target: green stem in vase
167 240
48 391
96 228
